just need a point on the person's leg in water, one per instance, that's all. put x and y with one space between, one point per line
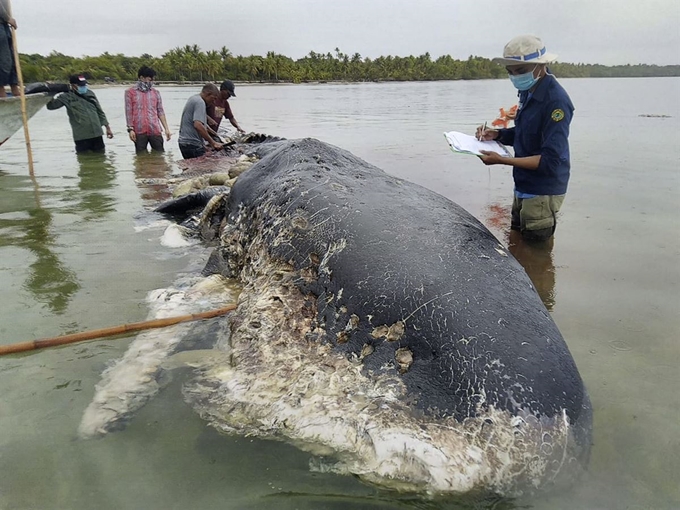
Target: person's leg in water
90 145
536 217
190 152
141 142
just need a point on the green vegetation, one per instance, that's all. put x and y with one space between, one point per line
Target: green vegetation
190 63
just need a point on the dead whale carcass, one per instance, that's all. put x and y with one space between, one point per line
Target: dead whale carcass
383 326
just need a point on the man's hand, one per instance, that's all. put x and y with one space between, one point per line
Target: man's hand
486 134
241 130
212 123
217 146
131 134
12 22
109 133
168 135
492 158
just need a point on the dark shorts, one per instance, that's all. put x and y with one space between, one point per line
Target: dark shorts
95 144
155 141
191 151
536 218
8 70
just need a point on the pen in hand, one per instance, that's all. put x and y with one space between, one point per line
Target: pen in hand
482 131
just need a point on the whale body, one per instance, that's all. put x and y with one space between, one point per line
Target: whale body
384 329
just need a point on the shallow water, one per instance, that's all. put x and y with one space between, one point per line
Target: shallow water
81 251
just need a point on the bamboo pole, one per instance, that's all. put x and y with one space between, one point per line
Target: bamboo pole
114 330
17 64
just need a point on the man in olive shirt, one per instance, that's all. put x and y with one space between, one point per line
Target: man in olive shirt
85 115
193 126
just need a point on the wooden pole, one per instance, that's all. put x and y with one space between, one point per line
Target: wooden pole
115 330
17 64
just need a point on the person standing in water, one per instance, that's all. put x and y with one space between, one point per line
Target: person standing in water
541 165
193 130
85 115
8 70
143 111
221 108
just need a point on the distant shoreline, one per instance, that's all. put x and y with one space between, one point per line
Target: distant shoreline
189 65
99 84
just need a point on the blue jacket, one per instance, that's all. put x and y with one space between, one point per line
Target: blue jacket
542 127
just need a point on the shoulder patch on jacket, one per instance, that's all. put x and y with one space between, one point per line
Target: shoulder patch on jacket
557 115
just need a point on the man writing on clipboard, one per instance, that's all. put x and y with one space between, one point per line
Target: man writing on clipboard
540 138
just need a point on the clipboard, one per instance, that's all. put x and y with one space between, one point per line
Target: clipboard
467 144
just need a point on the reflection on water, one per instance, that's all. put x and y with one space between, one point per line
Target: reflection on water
152 169
382 501
49 280
96 173
535 257
537 260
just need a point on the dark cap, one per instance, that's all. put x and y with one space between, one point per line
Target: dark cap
228 85
77 79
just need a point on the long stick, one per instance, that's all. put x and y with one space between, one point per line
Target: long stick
17 64
115 330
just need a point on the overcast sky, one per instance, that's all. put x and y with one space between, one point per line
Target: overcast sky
590 31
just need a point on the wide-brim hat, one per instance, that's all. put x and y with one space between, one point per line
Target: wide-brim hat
525 49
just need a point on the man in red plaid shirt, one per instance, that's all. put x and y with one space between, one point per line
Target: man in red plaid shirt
143 110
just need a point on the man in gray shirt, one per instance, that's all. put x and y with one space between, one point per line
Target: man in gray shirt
193 127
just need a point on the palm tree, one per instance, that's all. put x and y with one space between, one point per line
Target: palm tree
254 65
269 64
213 64
227 59
225 54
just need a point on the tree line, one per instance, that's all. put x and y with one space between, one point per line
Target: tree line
190 63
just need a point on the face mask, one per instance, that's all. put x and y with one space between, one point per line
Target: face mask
524 81
82 89
144 86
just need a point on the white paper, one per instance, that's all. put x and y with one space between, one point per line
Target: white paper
467 144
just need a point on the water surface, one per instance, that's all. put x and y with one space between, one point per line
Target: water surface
80 250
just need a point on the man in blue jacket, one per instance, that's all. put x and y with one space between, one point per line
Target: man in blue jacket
540 138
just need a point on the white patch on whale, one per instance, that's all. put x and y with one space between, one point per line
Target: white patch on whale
175 236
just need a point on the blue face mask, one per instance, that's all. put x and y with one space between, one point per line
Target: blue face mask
82 89
523 81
